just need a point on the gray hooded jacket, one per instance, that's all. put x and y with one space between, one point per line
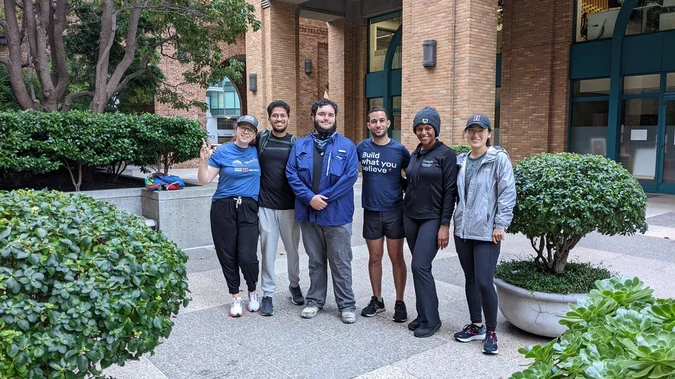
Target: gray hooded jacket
490 199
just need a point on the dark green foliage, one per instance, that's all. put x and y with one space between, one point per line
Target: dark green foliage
576 278
38 142
563 197
459 149
619 332
82 284
168 141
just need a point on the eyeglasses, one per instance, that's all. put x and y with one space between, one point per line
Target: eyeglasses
279 116
243 130
475 132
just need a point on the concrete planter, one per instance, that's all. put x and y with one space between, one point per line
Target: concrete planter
183 216
534 312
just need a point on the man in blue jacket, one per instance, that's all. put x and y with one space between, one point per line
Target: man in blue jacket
322 169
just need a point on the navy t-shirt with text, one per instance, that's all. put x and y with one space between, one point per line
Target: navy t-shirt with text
382 182
239 171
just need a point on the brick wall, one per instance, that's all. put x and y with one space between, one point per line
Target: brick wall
535 76
272 54
463 81
313 44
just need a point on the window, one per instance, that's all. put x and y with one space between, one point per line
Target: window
596 19
380 33
670 82
223 99
590 116
642 84
651 16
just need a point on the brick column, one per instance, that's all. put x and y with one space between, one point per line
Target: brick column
272 54
336 70
535 76
463 81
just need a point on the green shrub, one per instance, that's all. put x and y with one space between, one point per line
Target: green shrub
563 197
20 144
82 285
621 331
576 278
167 141
39 142
459 149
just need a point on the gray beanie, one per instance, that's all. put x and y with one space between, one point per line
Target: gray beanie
428 116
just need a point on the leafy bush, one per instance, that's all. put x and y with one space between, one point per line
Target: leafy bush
82 284
459 149
562 197
621 331
167 141
20 144
576 278
39 142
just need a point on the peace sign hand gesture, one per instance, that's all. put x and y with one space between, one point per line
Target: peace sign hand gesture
205 152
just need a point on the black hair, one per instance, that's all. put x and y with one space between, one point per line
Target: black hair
321 103
376 108
278 103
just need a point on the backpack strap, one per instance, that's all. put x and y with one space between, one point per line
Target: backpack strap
262 140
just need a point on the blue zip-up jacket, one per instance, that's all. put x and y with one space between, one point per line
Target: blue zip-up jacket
338 175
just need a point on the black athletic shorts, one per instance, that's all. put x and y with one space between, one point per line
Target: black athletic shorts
383 224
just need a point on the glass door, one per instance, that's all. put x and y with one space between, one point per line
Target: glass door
639 140
666 167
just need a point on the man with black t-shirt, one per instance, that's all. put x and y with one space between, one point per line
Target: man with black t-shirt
277 206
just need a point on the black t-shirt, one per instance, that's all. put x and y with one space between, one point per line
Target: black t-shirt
275 193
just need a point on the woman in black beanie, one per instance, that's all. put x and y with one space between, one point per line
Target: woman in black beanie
428 205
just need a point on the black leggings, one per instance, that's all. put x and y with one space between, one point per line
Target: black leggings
478 260
234 228
422 236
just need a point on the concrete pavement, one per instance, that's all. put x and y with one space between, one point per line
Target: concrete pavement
206 343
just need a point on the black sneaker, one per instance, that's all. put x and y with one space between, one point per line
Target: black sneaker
266 307
374 307
400 313
427 331
471 333
490 344
414 324
296 295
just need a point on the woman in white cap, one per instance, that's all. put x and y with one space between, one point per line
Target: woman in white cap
427 210
487 195
234 209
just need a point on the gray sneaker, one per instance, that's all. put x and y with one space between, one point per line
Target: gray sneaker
348 317
296 295
266 307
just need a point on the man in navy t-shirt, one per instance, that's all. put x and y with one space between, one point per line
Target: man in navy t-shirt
383 160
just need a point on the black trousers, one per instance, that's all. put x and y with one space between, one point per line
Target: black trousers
422 236
234 228
479 260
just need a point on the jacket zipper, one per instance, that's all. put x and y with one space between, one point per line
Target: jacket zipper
328 168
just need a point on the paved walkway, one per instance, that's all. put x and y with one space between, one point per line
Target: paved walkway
206 343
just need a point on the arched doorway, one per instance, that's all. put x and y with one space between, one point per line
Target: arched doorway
383 81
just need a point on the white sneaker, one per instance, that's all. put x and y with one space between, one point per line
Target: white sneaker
235 308
253 303
309 312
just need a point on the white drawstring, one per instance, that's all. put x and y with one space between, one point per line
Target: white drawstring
238 202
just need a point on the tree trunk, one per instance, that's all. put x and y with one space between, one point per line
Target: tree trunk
560 260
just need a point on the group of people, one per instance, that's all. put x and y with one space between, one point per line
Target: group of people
272 184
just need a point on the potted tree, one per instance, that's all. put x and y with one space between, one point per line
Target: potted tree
560 199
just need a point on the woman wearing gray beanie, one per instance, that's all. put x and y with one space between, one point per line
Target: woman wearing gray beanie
428 205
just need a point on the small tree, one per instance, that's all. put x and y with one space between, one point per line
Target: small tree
563 197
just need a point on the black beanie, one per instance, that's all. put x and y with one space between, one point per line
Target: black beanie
428 116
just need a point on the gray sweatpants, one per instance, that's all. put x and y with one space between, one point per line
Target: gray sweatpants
332 243
274 223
